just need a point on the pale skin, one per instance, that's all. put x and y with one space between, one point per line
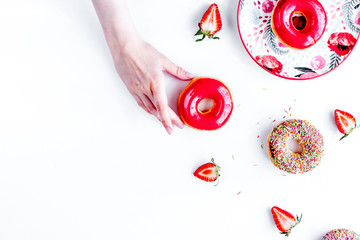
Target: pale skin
140 66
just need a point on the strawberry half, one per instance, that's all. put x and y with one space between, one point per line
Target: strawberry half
208 172
284 220
210 23
345 122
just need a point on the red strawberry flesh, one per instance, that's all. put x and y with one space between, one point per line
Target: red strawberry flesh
211 21
208 172
345 122
284 220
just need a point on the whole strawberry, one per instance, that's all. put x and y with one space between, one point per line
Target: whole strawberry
284 220
208 172
210 23
345 122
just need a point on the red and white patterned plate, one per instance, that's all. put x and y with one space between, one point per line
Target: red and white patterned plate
337 42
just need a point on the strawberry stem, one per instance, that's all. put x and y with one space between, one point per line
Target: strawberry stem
286 233
217 170
198 32
204 33
198 40
347 134
298 220
344 137
217 182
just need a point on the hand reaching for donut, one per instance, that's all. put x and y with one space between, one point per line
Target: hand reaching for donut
141 68
139 65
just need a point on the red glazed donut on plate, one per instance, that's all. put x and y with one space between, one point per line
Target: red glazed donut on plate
299 24
205 88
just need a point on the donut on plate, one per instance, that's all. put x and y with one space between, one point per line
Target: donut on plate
205 88
306 135
341 234
299 24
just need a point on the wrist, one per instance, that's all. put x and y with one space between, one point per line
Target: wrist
118 28
121 39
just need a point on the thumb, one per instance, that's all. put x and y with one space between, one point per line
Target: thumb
177 71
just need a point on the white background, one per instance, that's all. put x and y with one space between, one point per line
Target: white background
80 160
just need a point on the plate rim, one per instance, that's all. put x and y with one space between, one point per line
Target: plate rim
280 76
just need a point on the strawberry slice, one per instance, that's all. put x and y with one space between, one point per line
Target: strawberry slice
345 122
210 23
284 220
208 172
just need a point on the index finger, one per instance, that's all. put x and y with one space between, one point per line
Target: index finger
161 105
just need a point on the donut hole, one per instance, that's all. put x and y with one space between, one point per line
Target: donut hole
298 20
205 105
294 146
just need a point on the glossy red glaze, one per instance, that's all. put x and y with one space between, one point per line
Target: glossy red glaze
197 90
283 27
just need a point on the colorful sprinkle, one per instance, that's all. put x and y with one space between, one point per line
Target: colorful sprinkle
308 137
341 234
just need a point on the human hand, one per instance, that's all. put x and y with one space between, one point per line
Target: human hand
142 67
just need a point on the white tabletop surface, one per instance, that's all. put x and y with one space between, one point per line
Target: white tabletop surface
80 160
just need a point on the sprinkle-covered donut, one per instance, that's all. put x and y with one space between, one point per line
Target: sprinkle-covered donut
205 88
299 24
341 234
306 135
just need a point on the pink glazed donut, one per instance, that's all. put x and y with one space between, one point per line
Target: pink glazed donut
196 91
299 24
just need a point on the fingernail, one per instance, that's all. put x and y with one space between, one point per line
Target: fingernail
169 130
189 75
180 125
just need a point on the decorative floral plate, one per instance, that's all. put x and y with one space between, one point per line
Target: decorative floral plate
337 42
